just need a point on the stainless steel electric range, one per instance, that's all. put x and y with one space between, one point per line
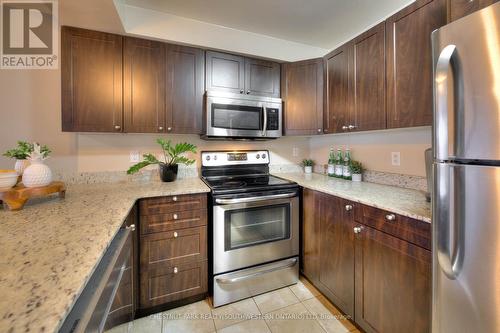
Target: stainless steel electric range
254 225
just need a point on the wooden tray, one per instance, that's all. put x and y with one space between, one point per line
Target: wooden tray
16 197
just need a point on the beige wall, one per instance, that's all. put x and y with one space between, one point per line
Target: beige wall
373 149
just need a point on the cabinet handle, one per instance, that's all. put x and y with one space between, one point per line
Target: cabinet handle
176 216
169 129
175 270
320 130
131 227
248 92
242 91
160 128
357 230
351 127
345 128
174 198
390 217
348 207
117 127
176 234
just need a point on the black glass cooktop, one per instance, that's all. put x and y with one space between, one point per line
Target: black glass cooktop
237 184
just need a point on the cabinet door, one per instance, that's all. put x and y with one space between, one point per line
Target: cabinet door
262 78
185 89
337 69
393 284
409 63
225 72
91 81
337 252
303 97
461 8
310 235
368 93
144 86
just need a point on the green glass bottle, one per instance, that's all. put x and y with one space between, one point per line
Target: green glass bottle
346 170
339 162
331 163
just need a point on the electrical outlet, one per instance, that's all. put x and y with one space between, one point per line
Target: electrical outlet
396 158
295 152
135 156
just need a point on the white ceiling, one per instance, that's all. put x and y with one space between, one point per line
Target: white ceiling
319 23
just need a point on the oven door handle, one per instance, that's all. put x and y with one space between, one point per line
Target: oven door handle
254 199
290 263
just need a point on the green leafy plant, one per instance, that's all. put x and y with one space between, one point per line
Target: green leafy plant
356 167
24 149
172 155
307 162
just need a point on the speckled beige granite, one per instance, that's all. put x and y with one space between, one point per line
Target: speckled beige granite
49 250
399 200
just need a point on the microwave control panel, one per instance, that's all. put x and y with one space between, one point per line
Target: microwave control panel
272 119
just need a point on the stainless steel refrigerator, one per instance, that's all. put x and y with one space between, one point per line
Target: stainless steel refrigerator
466 190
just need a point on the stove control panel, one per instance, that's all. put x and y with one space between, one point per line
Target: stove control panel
214 158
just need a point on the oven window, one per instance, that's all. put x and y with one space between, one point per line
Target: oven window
253 226
236 117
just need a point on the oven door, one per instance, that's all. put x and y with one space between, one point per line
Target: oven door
251 231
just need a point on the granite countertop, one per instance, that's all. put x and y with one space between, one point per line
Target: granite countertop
50 249
406 202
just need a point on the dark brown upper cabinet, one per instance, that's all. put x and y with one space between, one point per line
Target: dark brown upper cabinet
225 72
460 8
91 81
262 77
144 86
302 94
337 107
368 91
409 63
185 89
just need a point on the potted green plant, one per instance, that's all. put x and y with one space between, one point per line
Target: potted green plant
308 165
21 154
172 158
356 171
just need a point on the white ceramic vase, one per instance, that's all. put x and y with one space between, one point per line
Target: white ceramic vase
357 177
308 169
37 174
20 166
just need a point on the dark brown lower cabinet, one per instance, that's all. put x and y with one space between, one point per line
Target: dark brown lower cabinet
173 244
370 263
393 284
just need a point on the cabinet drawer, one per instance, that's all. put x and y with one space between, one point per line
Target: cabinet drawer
173 221
173 247
413 231
172 204
166 284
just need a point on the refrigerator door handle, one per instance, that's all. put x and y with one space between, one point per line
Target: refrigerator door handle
448 214
446 68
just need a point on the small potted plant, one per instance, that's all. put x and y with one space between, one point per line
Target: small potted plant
356 171
172 158
308 165
21 154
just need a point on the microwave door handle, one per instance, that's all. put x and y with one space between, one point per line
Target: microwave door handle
264 129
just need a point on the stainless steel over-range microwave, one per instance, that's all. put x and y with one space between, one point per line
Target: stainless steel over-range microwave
239 116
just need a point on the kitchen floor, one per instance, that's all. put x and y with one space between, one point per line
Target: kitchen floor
298 308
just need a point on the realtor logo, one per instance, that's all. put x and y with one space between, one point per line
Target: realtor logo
29 34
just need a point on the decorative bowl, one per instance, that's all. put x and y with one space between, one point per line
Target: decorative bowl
8 178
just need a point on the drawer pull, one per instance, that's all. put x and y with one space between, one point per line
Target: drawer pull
348 207
131 227
357 230
174 198
176 234
390 217
176 270
175 216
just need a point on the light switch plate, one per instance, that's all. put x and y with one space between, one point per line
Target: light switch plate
396 158
135 156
